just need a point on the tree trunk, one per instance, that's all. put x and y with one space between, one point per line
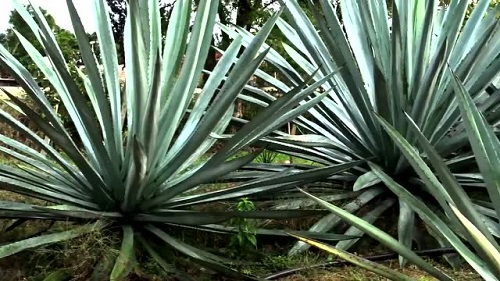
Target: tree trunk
210 63
243 20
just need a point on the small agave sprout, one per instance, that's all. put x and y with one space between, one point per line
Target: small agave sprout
138 174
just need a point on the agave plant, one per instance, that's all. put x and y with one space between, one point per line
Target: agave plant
392 59
139 175
466 218
460 220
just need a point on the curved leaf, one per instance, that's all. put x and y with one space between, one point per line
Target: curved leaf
30 243
382 237
366 180
363 263
124 263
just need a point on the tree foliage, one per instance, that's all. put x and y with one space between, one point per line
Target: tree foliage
118 16
67 42
66 39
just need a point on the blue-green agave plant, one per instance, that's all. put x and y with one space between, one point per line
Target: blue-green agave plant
460 221
390 58
140 175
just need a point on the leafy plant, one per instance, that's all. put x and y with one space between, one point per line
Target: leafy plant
247 229
139 165
386 66
267 156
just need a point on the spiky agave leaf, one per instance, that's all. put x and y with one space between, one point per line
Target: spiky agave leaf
389 60
140 174
380 236
361 262
470 221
